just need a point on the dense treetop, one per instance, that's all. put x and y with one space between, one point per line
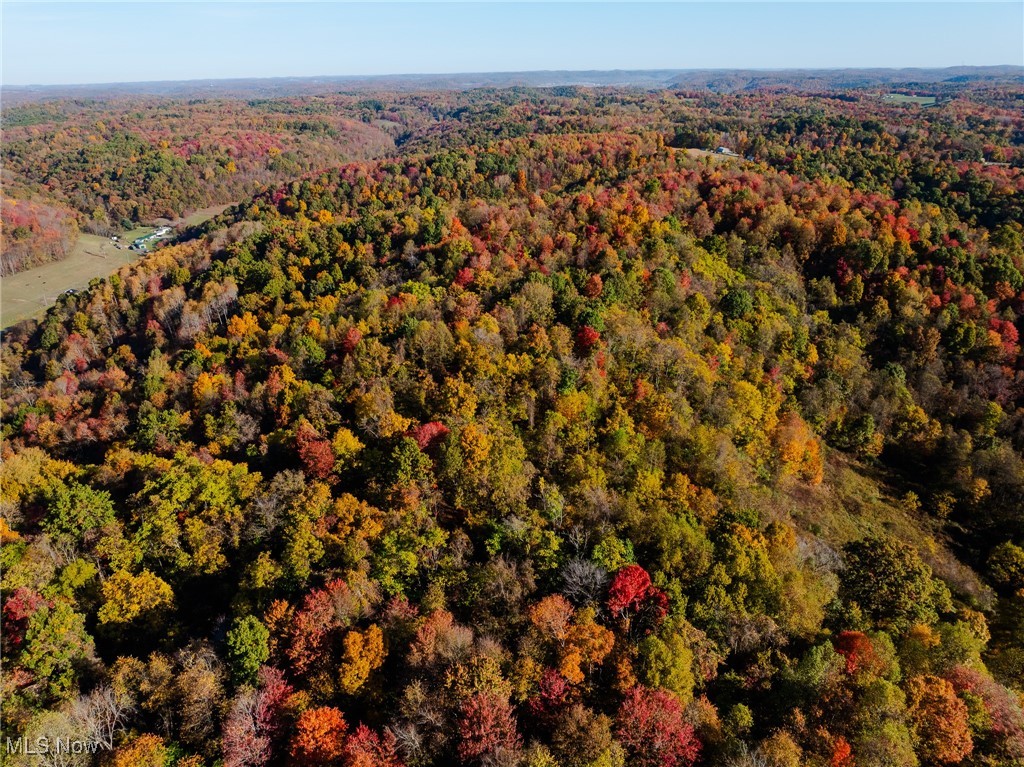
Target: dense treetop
111 164
551 445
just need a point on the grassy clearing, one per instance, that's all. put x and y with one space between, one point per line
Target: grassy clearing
901 98
202 215
700 153
139 231
30 293
856 501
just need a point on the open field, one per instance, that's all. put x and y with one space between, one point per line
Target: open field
127 237
901 98
30 293
715 156
202 215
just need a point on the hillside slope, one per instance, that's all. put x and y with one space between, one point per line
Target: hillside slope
566 450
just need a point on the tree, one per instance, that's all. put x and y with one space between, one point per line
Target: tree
315 452
628 589
632 594
319 738
842 754
486 729
858 650
586 339
242 743
439 639
799 449
941 720
651 726
248 649
553 695
54 648
887 578
583 582
46 728
363 653
130 598
552 616
254 722
737 303
198 688
312 626
103 714
996 713
666 661
586 645
583 737
781 750
1006 565
77 511
367 748
144 751
190 511
429 435
19 607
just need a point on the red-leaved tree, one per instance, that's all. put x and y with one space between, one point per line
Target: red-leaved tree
632 594
628 588
367 748
21 605
586 339
319 738
842 754
314 452
856 647
1004 727
350 340
430 435
487 729
651 727
254 721
312 626
553 697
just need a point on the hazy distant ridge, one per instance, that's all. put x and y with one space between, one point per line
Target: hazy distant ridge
711 79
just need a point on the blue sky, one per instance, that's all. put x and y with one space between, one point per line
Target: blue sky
89 42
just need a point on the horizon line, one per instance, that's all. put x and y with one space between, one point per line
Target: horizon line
391 75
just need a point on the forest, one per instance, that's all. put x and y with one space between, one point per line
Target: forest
517 428
105 166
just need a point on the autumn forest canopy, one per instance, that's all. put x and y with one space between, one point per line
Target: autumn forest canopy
521 428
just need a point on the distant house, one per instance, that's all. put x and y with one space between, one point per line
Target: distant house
726 150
